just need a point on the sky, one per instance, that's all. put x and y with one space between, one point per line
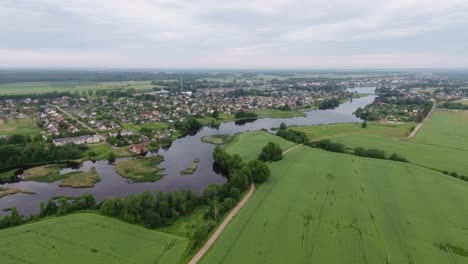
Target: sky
252 34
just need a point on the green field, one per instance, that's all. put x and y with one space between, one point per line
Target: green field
153 126
445 128
324 207
253 142
463 101
430 156
47 87
26 126
377 129
274 113
88 238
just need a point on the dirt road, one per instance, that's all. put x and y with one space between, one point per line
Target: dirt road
418 127
223 225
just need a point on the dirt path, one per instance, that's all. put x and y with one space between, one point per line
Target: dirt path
286 151
419 126
223 225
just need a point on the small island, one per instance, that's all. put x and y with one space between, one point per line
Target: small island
10 191
192 169
216 139
140 169
51 173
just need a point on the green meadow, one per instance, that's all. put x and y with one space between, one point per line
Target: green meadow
252 143
445 128
325 207
47 87
88 238
373 128
26 126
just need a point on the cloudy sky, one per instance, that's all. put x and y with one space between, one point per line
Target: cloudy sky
234 34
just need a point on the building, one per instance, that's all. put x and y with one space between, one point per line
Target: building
139 148
89 139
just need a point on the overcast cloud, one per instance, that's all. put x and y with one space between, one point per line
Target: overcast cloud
234 34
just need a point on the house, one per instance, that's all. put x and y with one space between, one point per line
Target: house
88 139
139 148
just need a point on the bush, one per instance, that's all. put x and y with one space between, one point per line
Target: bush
397 157
362 152
271 152
326 144
364 124
292 135
376 153
260 171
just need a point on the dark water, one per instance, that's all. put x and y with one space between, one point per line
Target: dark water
178 157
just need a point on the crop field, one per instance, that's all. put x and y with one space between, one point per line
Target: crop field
26 126
373 128
88 238
47 87
445 128
430 156
253 142
324 207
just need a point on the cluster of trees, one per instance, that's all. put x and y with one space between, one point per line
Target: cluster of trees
191 125
331 103
120 141
326 144
271 152
55 206
16 155
284 108
292 135
454 105
245 115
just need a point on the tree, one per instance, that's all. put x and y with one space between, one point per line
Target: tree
271 152
364 124
111 157
283 126
260 171
215 114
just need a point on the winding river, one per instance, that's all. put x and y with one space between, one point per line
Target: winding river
178 156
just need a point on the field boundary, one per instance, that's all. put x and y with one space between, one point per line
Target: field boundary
419 126
221 227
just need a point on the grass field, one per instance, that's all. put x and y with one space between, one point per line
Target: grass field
377 129
445 128
7 174
324 207
253 142
274 113
45 173
463 101
153 126
439 158
47 87
103 149
140 169
80 179
88 238
26 126
216 139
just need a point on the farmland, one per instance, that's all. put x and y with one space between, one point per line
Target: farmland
445 128
324 207
47 87
253 142
373 128
25 126
88 238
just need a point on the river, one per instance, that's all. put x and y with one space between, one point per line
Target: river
178 157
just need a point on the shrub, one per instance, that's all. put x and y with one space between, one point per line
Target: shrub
362 152
397 157
376 153
271 152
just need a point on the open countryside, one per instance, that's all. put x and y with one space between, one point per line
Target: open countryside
323 207
88 238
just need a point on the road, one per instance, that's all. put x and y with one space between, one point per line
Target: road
227 220
223 225
74 118
419 126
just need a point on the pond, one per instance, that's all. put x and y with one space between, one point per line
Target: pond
179 156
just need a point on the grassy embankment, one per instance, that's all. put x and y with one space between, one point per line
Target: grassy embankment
10 191
326 207
47 87
88 238
216 139
140 169
7 174
103 150
192 169
51 173
26 126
